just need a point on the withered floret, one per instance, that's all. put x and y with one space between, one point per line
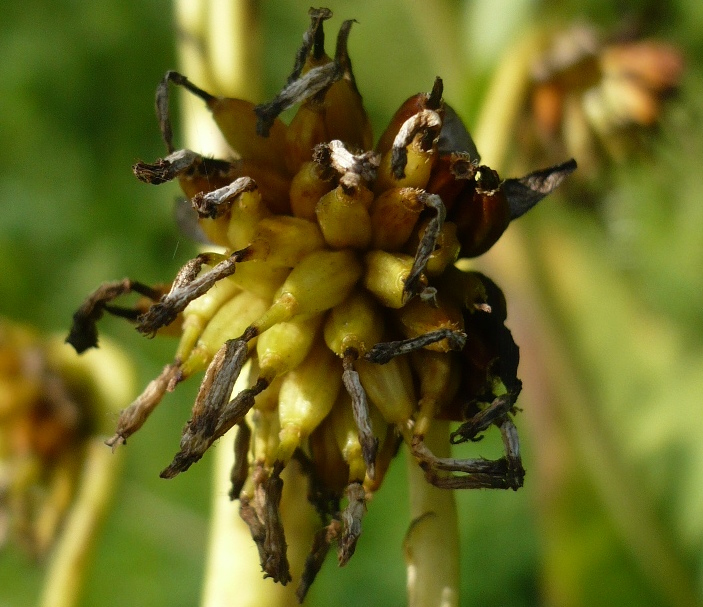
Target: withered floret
338 282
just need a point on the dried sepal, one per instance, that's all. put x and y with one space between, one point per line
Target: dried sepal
525 192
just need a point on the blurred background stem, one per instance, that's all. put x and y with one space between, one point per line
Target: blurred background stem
71 557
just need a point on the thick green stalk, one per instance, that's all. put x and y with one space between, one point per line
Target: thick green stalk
432 542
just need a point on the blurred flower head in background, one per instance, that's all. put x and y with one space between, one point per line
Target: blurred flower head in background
51 403
594 97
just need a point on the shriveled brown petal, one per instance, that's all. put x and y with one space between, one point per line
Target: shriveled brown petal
240 467
189 285
295 92
320 547
336 156
213 413
133 417
167 169
504 473
216 203
426 122
469 430
313 41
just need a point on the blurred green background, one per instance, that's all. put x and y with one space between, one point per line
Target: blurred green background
605 296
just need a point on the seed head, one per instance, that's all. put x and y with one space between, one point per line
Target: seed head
338 282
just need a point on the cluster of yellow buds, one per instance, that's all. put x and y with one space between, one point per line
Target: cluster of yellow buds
338 282
51 403
588 92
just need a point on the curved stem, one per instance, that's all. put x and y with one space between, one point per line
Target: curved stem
432 542
71 556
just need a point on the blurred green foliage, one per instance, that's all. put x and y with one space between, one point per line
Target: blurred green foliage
607 302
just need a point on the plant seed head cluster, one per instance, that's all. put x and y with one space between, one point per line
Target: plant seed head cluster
338 282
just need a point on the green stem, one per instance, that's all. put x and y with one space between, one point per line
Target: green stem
432 542
71 556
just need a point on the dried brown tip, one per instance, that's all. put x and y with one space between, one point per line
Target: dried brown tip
264 521
504 473
295 92
313 41
216 203
427 244
382 352
334 155
213 412
188 285
360 409
313 563
167 169
133 417
240 467
469 430
351 517
427 125
162 103
84 332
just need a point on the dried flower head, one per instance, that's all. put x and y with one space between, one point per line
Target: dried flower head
338 281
